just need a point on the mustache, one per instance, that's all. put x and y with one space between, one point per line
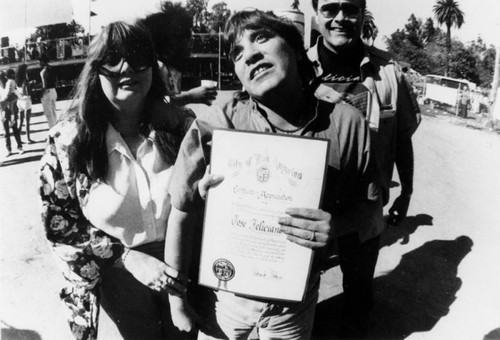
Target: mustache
346 25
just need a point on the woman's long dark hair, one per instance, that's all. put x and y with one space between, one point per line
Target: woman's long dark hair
21 74
90 106
171 30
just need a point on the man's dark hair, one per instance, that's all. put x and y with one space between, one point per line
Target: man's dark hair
21 74
315 5
10 74
3 78
267 21
171 30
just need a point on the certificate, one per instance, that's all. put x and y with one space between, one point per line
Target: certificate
243 250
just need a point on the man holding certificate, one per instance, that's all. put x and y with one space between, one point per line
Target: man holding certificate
266 177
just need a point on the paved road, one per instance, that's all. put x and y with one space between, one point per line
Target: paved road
438 275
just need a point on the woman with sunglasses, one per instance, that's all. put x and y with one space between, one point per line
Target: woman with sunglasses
103 189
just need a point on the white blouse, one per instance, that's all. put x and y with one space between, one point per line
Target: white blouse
133 204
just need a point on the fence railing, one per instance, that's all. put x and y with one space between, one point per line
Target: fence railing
207 56
77 47
56 49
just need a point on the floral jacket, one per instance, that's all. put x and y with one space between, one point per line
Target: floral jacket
82 251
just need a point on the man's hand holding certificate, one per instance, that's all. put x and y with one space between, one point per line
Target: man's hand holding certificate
262 220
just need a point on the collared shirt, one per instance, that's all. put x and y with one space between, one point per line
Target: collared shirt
6 94
350 165
392 112
132 204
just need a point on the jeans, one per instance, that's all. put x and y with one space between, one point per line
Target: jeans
49 106
234 317
9 121
131 310
357 262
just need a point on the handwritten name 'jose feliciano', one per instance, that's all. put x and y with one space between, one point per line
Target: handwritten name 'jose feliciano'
254 224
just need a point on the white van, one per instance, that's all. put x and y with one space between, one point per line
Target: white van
439 90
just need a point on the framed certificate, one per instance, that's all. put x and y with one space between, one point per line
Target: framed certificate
243 250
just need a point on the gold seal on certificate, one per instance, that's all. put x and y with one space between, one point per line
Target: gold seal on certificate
243 250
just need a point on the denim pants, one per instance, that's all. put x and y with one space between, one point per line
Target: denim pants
9 121
49 99
234 317
131 310
357 262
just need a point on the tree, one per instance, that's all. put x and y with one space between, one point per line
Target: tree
448 12
198 10
405 50
428 31
413 30
463 64
485 61
295 5
171 30
218 16
425 48
407 45
56 31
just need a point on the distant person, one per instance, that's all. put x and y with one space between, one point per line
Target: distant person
372 81
464 102
172 30
475 102
49 94
495 111
24 103
8 102
103 186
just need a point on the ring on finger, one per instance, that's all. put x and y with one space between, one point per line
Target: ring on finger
163 280
312 237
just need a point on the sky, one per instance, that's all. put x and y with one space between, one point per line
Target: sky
482 17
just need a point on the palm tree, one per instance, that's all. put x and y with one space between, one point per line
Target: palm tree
369 30
449 13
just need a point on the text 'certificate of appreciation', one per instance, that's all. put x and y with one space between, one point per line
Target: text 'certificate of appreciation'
243 250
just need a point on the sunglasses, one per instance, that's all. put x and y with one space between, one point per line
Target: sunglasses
331 10
112 63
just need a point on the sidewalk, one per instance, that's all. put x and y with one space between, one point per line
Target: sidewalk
474 121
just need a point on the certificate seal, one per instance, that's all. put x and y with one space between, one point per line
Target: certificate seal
263 174
223 269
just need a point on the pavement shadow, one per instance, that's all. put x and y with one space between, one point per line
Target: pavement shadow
18 334
410 224
26 157
419 291
391 235
493 335
411 298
